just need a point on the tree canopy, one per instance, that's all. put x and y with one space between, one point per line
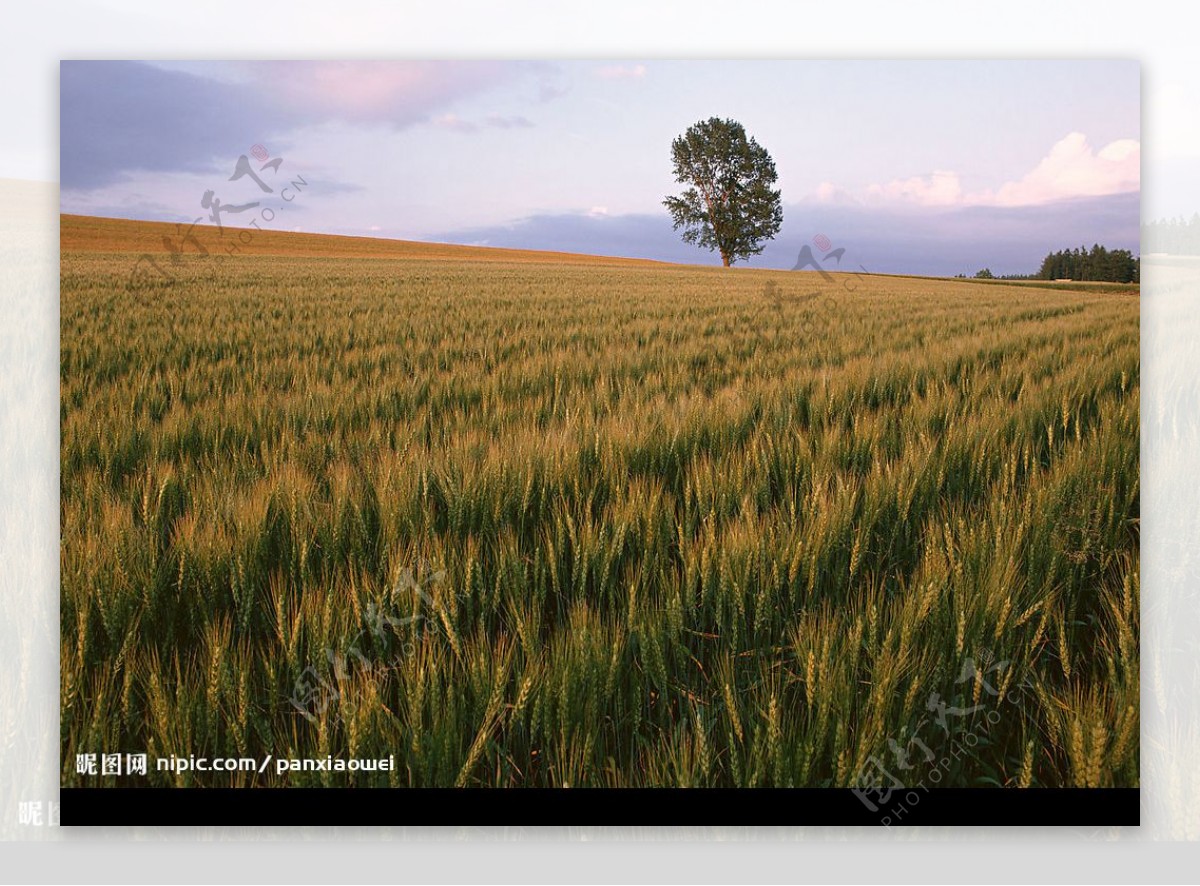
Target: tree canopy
1095 264
730 205
1174 236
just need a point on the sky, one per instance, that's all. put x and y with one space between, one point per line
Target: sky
911 167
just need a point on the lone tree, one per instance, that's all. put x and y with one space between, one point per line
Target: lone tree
731 206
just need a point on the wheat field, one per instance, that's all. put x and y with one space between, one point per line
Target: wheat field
526 519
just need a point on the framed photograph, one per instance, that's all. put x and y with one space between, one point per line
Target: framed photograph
600 442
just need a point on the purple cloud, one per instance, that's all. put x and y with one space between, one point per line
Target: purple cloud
1009 240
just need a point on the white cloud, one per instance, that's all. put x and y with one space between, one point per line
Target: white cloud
621 72
828 192
454 122
396 92
940 188
512 121
1072 168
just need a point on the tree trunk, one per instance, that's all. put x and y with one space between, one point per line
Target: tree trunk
724 259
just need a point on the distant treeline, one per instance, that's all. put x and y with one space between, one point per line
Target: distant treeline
1096 264
1174 236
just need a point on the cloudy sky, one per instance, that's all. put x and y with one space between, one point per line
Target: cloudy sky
912 167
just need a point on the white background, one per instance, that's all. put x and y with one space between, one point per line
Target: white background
35 37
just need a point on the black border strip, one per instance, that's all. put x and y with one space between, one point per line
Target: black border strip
1079 807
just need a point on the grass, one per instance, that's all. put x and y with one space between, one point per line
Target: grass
527 519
